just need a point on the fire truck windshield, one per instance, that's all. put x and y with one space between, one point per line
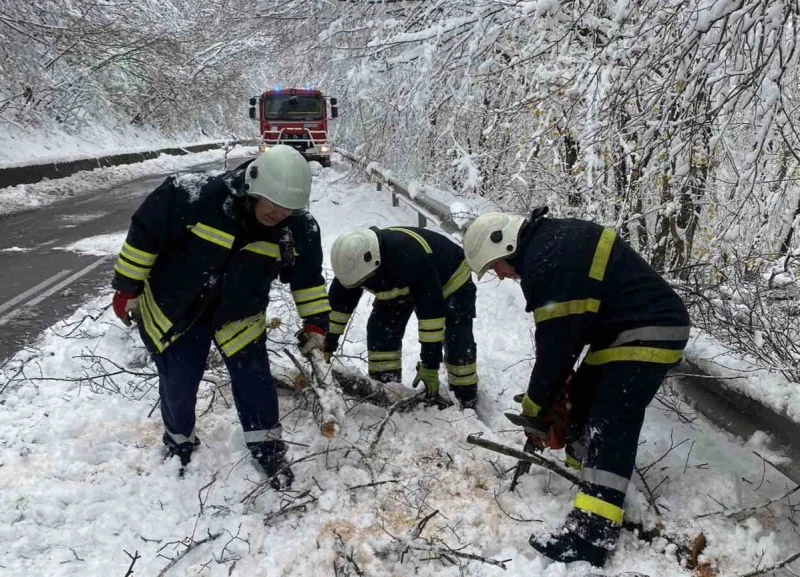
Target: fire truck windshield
287 107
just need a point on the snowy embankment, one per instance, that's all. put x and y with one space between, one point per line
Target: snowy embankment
770 388
84 488
14 199
24 146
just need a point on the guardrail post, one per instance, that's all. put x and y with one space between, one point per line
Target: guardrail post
421 220
379 187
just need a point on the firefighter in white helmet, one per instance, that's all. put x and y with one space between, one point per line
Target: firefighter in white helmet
585 286
200 256
408 269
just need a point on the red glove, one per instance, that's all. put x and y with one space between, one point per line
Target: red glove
313 329
551 426
557 417
124 308
310 338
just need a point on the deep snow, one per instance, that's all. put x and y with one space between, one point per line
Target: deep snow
82 479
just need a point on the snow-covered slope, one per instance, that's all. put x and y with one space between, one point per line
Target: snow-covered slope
84 488
22 197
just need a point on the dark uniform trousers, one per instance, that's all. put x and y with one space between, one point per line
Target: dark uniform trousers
609 398
180 370
387 325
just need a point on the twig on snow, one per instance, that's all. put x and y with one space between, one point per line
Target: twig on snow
766 570
134 558
740 514
189 547
447 552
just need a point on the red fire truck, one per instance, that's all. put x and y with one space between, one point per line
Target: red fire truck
297 117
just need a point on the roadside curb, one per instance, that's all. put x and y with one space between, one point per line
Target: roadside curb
741 415
31 174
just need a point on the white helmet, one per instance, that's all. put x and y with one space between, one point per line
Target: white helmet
280 175
489 238
355 255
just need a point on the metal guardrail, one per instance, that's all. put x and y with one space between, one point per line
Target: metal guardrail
723 406
426 207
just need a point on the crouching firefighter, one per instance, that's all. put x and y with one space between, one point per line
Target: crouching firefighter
408 269
585 286
197 265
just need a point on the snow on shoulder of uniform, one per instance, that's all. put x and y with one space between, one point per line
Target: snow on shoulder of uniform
193 182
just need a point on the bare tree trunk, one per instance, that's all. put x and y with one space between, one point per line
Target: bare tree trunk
695 191
659 257
642 235
571 150
786 243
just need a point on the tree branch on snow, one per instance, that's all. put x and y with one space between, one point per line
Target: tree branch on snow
447 554
652 493
188 545
134 558
774 567
741 514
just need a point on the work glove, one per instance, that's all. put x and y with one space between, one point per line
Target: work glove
310 338
431 379
548 428
331 344
126 307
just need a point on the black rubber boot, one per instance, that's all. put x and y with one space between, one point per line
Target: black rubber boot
584 537
466 395
271 455
182 450
387 376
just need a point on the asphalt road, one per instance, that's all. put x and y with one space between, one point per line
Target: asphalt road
43 283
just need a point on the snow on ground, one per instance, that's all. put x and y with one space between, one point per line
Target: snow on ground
101 245
14 199
83 484
23 146
768 387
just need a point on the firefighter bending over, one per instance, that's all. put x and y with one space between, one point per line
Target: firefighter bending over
585 286
408 269
197 265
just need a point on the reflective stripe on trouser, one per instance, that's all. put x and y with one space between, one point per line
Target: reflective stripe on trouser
338 322
181 367
383 361
431 330
178 439
385 328
619 394
460 351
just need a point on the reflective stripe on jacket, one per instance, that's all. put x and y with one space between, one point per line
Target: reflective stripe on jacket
194 247
586 286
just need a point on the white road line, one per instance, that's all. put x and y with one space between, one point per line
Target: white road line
33 290
67 281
